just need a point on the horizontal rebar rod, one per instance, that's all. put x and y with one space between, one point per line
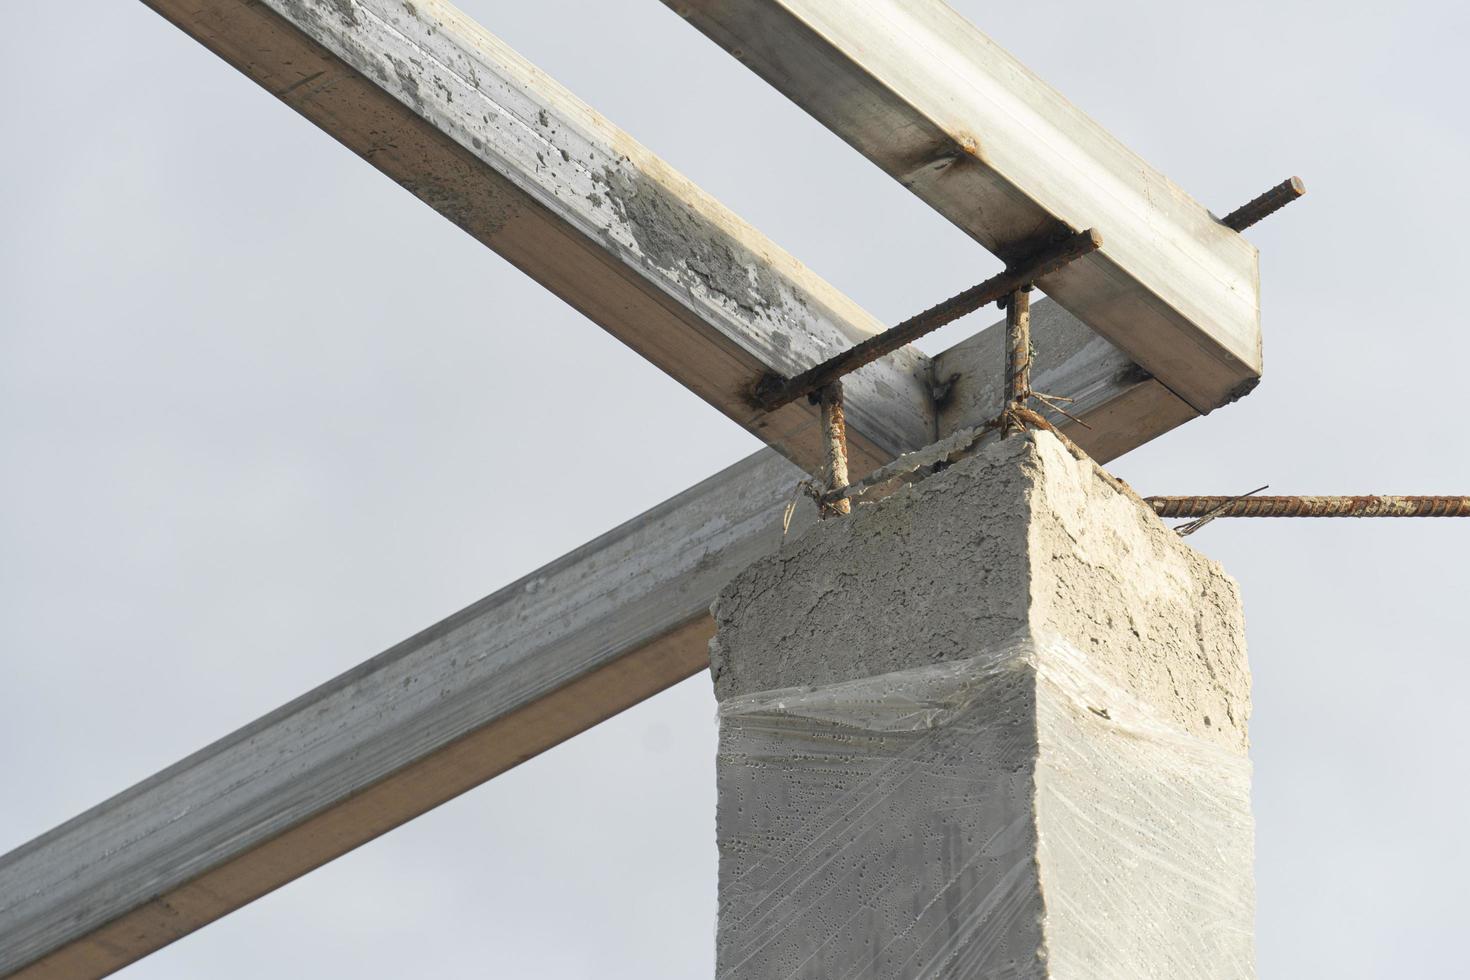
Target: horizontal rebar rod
774 391
1266 205
1365 506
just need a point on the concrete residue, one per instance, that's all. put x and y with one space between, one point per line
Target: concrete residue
1022 537
952 547
310 11
346 10
673 239
409 82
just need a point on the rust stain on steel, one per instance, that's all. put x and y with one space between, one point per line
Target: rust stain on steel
834 438
773 391
1266 205
1018 347
1360 506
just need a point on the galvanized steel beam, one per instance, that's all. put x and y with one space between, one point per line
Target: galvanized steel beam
943 109
450 112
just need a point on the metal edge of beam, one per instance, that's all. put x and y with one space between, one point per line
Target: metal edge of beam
565 647
451 113
549 656
940 107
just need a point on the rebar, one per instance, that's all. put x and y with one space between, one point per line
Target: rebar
1018 352
774 391
834 438
1266 205
1361 506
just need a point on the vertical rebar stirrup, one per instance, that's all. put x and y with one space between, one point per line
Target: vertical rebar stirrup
1018 357
834 442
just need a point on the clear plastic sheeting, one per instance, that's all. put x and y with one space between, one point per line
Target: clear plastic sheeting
1012 815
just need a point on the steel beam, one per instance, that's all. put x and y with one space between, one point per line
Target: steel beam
447 110
940 107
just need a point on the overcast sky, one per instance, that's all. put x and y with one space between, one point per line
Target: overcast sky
257 402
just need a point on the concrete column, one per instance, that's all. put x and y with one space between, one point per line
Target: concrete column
993 726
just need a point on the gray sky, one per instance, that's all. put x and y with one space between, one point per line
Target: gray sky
256 404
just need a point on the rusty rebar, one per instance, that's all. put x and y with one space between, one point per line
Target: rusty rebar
834 440
1266 205
1018 352
774 391
1362 506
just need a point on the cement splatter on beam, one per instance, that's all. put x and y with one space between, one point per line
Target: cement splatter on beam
450 112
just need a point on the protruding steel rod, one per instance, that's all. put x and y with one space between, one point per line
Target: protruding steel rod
1266 205
1018 351
1365 506
834 438
774 391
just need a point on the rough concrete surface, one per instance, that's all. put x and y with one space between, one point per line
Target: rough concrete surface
992 726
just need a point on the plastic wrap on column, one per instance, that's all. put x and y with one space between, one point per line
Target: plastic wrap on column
1016 814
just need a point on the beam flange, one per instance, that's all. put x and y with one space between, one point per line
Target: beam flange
566 647
571 644
940 107
448 111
